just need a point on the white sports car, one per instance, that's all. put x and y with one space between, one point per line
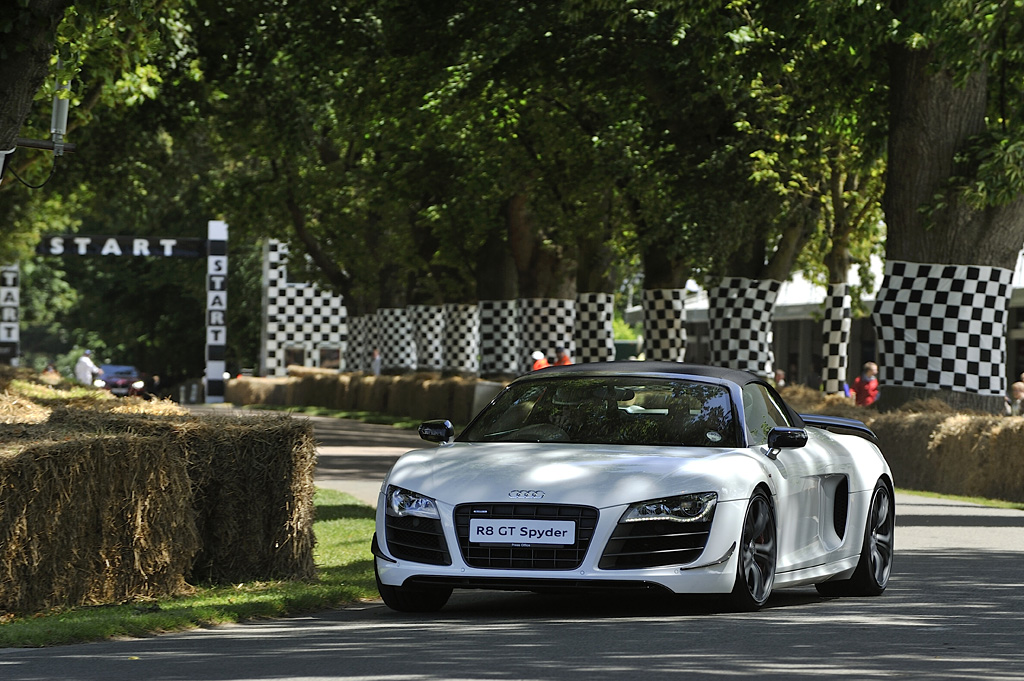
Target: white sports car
687 478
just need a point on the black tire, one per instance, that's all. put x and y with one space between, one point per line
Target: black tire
412 598
758 552
875 564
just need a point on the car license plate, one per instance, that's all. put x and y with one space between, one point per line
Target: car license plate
522 532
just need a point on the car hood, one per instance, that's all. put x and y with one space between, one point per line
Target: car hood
593 475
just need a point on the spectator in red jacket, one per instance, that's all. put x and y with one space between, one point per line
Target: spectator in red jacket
539 360
562 357
865 386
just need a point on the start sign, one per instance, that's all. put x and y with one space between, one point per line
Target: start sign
74 244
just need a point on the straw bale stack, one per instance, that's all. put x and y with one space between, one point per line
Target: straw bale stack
122 499
94 519
235 461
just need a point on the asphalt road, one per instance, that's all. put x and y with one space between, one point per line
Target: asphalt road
954 609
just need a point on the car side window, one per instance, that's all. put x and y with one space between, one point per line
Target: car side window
760 413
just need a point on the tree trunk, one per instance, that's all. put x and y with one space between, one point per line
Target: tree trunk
941 329
23 70
543 270
931 121
495 268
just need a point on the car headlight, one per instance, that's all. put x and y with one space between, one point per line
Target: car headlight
139 385
687 508
99 383
402 502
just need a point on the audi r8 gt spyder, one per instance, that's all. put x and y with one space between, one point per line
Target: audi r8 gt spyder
648 475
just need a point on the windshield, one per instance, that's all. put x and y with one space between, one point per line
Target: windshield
608 410
118 371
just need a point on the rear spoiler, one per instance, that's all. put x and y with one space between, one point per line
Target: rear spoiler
843 426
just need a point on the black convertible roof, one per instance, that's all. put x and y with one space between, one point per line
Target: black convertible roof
642 368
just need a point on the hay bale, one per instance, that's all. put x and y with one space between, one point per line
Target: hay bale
904 440
439 401
404 394
257 390
1004 474
374 393
341 388
234 460
98 519
463 399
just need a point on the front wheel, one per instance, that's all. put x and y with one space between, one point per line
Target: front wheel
755 570
412 598
875 564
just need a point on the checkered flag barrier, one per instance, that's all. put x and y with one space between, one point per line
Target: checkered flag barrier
461 338
943 327
356 354
297 314
664 324
499 338
397 339
595 336
836 338
740 319
428 329
545 324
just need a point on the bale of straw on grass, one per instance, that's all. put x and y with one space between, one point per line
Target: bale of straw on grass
374 394
252 483
437 402
94 519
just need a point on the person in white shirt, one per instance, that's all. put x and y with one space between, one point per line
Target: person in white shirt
85 369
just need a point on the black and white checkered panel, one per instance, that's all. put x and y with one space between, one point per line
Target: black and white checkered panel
664 324
371 339
836 338
943 327
545 324
357 354
461 338
298 315
499 338
428 329
740 319
595 336
397 339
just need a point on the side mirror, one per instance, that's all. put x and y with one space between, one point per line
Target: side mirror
785 438
439 430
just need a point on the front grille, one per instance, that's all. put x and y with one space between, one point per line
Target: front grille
655 543
420 540
526 557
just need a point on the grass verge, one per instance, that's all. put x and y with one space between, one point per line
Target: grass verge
343 528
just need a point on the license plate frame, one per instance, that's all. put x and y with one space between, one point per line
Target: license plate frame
509 532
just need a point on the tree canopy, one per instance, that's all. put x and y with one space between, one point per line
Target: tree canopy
460 150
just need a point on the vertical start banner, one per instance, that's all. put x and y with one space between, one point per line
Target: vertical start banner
10 301
216 309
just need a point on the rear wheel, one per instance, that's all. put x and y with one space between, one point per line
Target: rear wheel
872 573
412 598
755 571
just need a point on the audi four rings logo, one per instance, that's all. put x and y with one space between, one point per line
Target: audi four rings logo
526 494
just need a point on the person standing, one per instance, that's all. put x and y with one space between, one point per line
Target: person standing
85 369
375 362
865 386
1015 402
539 360
562 357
